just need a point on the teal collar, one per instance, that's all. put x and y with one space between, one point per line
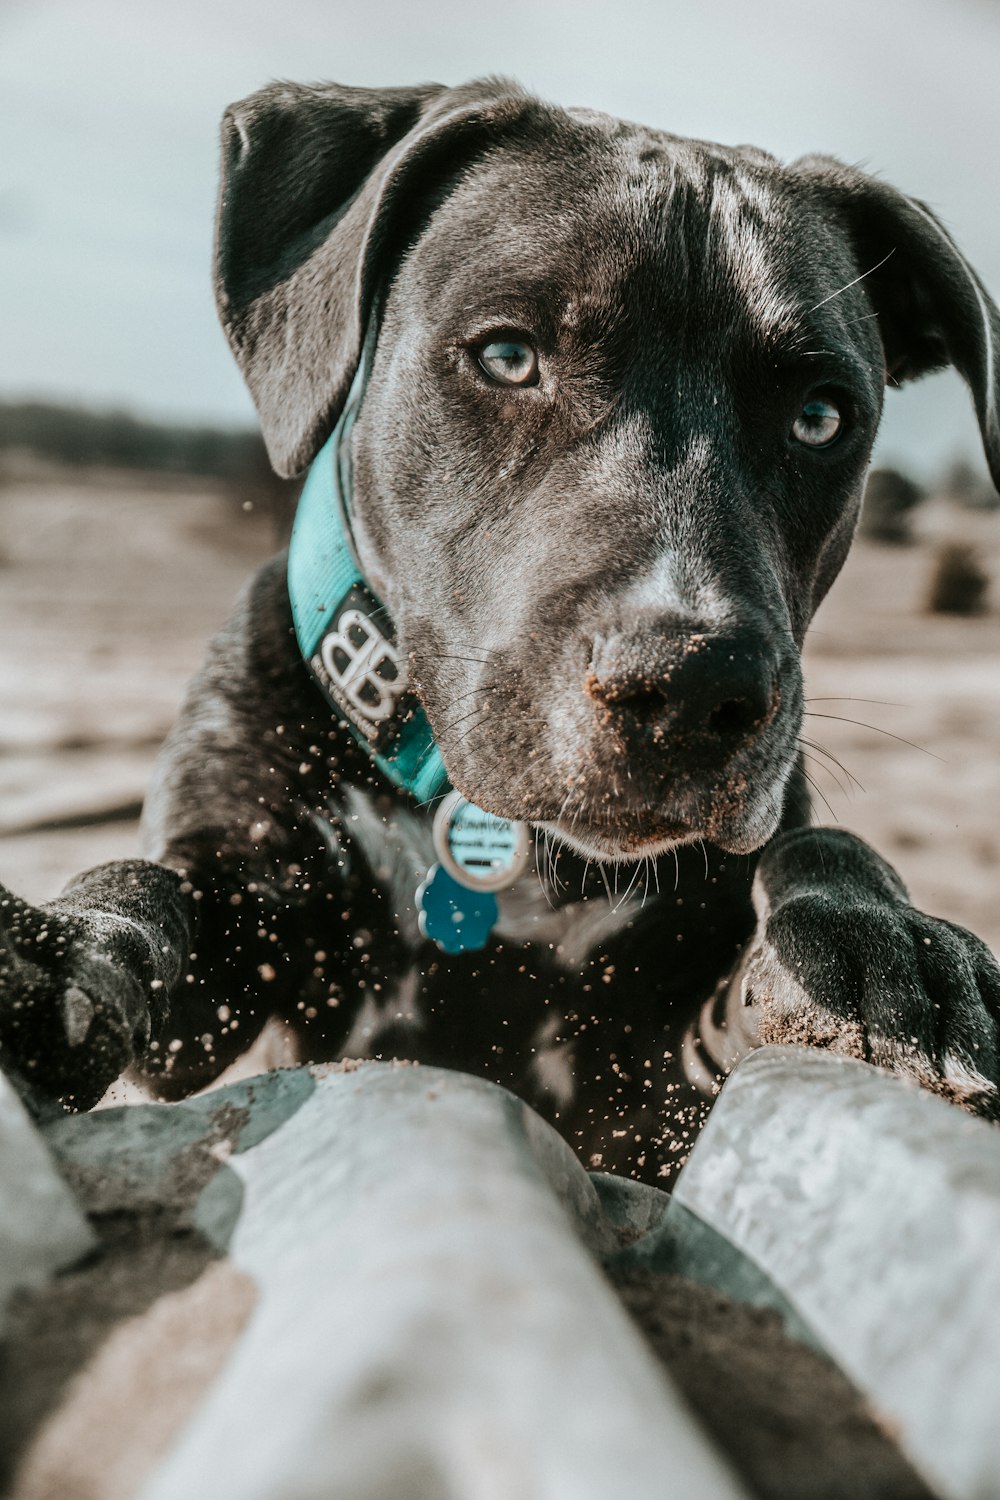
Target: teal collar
345 635
348 643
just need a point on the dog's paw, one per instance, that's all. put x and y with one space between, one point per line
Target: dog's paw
71 1017
881 981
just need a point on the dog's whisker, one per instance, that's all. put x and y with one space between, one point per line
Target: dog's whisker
486 688
882 702
429 802
540 871
452 656
842 788
558 844
847 286
522 719
462 719
463 697
819 792
560 847
822 750
553 847
462 738
561 884
876 729
428 750
628 888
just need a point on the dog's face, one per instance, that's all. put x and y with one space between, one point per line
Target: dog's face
613 444
608 461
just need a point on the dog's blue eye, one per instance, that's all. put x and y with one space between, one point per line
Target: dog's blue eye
509 362
817 424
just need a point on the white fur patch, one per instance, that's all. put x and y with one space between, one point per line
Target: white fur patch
572 931
552 1065
366 1024
965 1078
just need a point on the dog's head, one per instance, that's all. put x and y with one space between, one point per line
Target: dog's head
613 444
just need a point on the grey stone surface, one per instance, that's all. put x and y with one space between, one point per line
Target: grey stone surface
431 1321
41 1228
873 1209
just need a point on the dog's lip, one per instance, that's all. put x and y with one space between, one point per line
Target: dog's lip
733 817
616 840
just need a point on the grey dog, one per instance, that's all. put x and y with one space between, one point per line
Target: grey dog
620 393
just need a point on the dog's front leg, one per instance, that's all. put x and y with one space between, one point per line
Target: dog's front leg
86 978
841 960
172 967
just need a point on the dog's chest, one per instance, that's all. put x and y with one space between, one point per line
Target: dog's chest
538 913
577 1005
496 1008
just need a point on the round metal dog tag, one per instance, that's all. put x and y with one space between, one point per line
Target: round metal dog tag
482 852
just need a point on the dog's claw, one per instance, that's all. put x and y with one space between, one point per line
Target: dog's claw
881 981
69 1018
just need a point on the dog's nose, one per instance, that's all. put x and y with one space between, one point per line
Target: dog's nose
704 694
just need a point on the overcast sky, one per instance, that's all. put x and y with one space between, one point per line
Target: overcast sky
108 124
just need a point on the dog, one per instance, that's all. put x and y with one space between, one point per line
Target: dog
587 410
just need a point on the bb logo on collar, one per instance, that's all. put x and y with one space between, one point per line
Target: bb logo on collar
360 665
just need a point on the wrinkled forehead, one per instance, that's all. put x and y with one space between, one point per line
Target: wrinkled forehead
600 216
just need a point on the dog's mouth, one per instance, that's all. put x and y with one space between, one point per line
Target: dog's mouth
739 825
633 811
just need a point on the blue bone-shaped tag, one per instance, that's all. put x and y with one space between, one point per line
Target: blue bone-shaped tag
459 920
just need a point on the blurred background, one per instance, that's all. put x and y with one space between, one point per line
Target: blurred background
134 494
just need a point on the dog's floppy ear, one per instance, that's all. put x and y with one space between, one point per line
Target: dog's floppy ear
932 308
316 182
